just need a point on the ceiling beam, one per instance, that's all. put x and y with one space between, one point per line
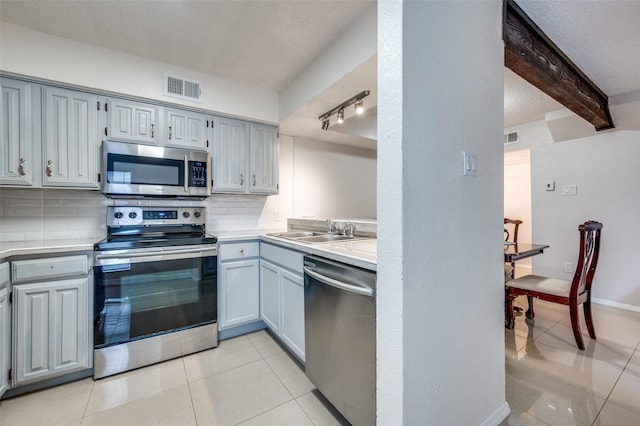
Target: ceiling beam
533 56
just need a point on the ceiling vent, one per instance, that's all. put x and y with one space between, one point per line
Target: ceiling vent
182 88
512 137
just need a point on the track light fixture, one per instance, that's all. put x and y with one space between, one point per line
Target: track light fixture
359 106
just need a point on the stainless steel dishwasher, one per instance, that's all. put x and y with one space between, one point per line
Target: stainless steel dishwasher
340 336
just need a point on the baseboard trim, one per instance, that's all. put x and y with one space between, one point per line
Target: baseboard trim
625 306
498 416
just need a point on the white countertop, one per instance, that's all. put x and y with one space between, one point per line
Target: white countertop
360 253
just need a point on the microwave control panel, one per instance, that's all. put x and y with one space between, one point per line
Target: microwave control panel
198 174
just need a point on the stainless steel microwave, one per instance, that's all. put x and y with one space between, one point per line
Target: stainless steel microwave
133 170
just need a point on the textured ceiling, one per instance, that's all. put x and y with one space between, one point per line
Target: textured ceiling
267 43
263 43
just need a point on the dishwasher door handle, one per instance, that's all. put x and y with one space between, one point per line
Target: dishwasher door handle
359 289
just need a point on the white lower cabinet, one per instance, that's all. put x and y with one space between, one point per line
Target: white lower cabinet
51 333
5 328
238 283
282 295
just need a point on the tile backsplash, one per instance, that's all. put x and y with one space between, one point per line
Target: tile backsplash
54 214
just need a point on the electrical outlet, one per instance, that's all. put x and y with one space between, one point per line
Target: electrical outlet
276 216
568 267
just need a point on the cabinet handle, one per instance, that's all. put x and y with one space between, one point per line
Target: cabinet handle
241 179
21 167
49 168
254 180
153 129
169 132
242 251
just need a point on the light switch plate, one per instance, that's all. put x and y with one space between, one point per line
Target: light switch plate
470 163
570 190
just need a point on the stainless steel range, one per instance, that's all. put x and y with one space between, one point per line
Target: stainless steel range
155 287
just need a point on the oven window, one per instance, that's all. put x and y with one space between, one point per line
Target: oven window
136 170
137 300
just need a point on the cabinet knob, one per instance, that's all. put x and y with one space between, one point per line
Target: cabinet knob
169 132
254 180
152 129
241 251
49 168
21 167
241 179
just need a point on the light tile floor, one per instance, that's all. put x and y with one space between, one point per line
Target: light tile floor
251 380
247 380
552 382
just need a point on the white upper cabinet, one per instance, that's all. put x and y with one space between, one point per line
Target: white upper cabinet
187 129
70 138
229 156
263 164
132 121
245 157
16 122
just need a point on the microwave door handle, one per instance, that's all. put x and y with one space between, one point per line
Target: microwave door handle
186 173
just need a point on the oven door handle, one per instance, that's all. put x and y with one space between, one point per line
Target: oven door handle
125 255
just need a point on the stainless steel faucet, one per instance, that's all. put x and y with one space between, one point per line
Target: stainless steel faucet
331 227
348 229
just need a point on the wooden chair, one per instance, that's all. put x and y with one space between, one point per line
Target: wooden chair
513 224
571 293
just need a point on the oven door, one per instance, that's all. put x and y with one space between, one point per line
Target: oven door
146 293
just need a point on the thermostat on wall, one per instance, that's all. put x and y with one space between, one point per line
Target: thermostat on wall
551 186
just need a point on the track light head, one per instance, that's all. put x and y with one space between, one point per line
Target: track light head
325 124
359 105
341 116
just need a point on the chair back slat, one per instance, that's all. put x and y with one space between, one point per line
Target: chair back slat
588 257
513 224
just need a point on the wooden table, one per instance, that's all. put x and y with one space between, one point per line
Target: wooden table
513 252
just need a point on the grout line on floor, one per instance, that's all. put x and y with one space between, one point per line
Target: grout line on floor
86 406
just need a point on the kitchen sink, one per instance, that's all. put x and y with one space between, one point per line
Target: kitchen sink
296 234
311 237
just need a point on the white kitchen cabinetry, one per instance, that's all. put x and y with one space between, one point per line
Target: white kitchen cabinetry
51 335
187 129
132 121
70 138
229 155
263 162
239 284
16 121
245 157
282 295
5 328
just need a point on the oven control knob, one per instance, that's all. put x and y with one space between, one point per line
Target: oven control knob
118 215
196 214
133 215
185 214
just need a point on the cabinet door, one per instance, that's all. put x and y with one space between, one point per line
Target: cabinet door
270 295
132 121
239 293
187 129
263 160
70 138
16 121
5 340
229 156
293 312
50 329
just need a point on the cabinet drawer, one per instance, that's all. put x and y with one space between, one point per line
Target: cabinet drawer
238 250
4 274
289 259
50 267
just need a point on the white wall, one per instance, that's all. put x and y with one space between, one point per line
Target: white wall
36 54
517 194
440 251
333 181
605 169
